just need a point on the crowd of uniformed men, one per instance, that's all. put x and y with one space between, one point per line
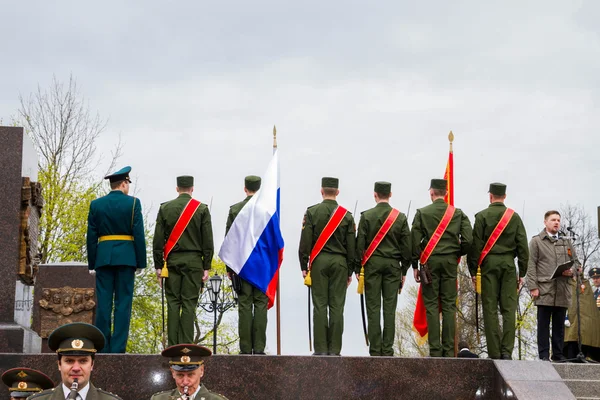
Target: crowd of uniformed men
380 253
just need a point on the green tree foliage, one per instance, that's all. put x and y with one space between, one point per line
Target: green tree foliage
64 133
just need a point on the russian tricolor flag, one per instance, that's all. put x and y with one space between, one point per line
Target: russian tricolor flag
253 247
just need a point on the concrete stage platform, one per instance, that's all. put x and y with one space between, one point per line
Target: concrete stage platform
137 377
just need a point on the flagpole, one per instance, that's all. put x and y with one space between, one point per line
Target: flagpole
451 201
278 298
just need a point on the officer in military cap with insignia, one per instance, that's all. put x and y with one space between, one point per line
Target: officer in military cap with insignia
116 247
183 252
384 254
439 255
252 303
23 382
498 237
76 345
186 362
327 250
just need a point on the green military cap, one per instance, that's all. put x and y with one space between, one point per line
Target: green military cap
185 181
329 182
186 357
497 189
120 175
77 339
252 183
439 184
594 272
382 187
23 382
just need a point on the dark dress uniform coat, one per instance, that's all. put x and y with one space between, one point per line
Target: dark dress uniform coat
115 262
58 394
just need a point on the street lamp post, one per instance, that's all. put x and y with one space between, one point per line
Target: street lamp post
218 301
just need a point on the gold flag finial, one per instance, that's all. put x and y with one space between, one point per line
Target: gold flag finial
451 139
274 137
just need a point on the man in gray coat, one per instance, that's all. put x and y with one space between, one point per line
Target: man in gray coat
547 250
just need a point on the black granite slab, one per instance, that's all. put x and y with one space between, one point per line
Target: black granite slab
137 377
11 162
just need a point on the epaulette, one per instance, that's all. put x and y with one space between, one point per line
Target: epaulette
314 205
47 392
109 393
161 393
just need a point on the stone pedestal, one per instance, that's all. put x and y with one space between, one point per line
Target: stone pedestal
18 160
63 293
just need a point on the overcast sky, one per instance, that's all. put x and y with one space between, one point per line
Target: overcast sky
363 91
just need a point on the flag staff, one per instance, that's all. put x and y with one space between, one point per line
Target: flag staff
278 298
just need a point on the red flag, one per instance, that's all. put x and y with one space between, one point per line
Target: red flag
420 315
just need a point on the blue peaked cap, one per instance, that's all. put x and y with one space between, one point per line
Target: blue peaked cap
120 175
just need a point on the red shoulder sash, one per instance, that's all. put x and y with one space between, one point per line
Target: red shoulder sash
332 225
496 234
385 227
437 235
180 225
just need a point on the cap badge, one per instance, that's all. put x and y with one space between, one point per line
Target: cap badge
77 344
21 374
185 359
22 385
185 350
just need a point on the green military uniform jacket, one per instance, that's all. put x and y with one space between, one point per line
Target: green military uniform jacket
395 245
512 241
455 241
342 241
203 394
234 210
58 394
590 317
116 214
195 244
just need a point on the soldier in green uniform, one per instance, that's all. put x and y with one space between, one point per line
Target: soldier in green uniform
499 281
252 303
23 382
331 270
76 345
188 262
186 362
454 243
385 270
116 247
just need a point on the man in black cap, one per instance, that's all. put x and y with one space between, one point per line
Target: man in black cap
327 244
252 303
383 253
440 234
76 345
498 236
183 251
23 382
186 362
115 247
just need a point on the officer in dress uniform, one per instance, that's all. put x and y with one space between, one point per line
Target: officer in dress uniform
443 264
252 303
385 270
76 345
499 279
188 262
23 382
331 271
115 247
186 362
